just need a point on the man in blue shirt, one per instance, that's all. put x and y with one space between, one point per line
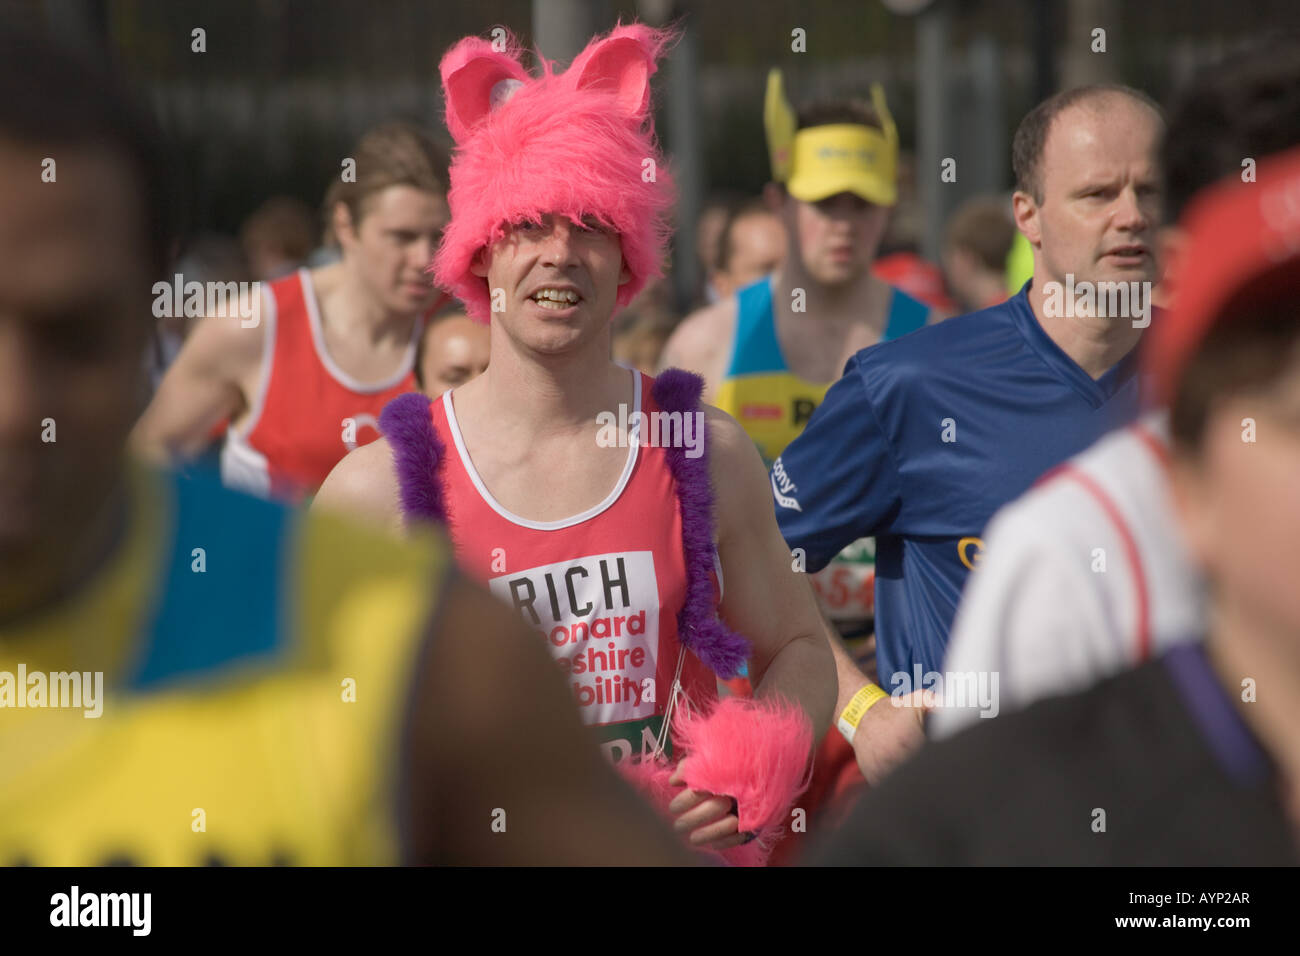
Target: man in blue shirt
925 437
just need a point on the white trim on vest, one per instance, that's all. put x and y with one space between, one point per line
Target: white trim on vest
562 523
340 376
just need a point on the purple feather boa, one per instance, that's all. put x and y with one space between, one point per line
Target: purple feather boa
417 454
698 625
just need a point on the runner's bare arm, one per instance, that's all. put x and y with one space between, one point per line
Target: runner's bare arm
364 484
202 387
886 734
496 738
763 597
702 343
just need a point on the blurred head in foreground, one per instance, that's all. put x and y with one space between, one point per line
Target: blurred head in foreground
1228 362
84 234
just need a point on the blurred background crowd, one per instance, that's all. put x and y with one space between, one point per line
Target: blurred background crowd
262 99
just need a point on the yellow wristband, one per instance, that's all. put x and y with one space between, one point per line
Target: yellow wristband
862 701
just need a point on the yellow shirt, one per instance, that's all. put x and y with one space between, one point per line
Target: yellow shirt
758 389
254 666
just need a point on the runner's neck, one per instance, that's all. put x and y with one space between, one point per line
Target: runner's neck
852 302
1095 344
1238 648
351 311
987 290
547 393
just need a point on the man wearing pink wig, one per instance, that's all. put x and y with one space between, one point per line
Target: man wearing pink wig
583 493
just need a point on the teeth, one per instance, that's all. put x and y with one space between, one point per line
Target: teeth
556 295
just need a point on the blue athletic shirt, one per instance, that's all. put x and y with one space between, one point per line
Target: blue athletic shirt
920 442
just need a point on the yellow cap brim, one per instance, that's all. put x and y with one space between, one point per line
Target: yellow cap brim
828 160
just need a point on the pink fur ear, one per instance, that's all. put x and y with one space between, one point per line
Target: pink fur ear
622 62
470 71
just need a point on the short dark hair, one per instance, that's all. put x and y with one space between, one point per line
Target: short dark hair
831 112
1245 354
1246 105
394 153
1031 134
983 227
285 225
726 238
50 95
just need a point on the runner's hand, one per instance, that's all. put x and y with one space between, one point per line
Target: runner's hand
709 818
888 733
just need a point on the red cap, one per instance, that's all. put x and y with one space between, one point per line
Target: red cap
1241 237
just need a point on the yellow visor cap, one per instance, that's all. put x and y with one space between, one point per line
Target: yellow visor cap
843 157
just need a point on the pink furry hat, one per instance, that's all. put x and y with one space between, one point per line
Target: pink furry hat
572 144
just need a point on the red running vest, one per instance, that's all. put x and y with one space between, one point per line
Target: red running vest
308 412
603 588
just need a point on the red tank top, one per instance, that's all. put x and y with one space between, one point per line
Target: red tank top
309 413
603 588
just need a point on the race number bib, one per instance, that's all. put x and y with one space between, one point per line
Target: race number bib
599 615
846 588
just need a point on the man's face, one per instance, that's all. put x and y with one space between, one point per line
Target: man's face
393 244
757 248
1101 194
836 239
556 283
75 314
708 228
961 270
1240 508
455 350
